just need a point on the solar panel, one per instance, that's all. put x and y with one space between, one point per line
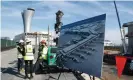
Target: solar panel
81 44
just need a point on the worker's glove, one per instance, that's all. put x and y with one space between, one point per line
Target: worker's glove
40 57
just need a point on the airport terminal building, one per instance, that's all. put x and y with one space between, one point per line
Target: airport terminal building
36 37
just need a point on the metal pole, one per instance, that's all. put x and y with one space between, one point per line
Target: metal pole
93 77
59 76
25 36
11 43
51 39
121 29
48 35
58 24
36 43
6 42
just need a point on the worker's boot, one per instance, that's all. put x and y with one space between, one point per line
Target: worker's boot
19 71
26 77
31 76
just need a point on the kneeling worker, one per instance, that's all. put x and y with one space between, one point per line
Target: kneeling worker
28 58
42 56
43 50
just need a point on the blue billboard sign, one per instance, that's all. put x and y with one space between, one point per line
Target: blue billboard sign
81 44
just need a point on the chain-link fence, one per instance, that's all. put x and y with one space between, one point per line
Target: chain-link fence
7 44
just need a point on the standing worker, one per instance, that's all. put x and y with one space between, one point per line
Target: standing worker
28 58
19 55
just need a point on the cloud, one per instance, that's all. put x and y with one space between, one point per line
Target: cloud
97 4
73 11
113 35
53 7
14 8
124 8
68 7
127 10
10 12
44 17
42 9
10 32
47 8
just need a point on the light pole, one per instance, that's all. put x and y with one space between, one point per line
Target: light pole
58 25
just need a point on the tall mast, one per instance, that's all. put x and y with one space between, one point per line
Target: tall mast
48 35
121 30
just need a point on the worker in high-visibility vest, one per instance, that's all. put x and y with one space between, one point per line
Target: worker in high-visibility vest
19 55
43 50
42 56
28 58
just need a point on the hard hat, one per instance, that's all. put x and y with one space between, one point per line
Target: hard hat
21 41
28 40
43 41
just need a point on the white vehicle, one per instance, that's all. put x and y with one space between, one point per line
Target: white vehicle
108 43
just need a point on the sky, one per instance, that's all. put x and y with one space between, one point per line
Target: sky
44 15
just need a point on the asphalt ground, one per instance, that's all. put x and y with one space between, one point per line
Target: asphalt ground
9 70
109 72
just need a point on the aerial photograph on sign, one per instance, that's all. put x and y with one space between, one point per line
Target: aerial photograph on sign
81 45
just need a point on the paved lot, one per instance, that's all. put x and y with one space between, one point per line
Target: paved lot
9 70
110 73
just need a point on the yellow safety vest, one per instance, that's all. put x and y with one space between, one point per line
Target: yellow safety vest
44 53
19 55
29 53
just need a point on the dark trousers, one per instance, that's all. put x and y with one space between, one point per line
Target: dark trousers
20 63
28 67
38 63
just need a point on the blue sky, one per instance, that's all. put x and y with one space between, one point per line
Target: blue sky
73 11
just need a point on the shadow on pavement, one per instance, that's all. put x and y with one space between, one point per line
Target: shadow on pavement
11 71
13 62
